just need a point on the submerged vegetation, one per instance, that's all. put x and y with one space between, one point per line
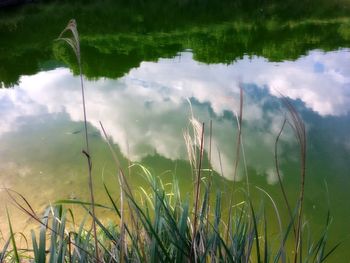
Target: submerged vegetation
160 225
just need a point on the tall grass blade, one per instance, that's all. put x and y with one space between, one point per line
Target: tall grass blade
255 226
266 251
278 217
34 245
279 173
286 234
148 226
4 250
79 202
183 231
12 236
229 256
42 237
330 252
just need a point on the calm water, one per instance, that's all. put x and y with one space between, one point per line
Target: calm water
144 80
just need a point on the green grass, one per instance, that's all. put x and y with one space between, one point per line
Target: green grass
163 229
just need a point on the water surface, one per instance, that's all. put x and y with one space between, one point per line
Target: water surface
145 82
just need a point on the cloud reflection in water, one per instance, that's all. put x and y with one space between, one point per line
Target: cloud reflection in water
148 107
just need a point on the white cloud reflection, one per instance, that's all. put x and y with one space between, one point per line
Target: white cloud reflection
147 108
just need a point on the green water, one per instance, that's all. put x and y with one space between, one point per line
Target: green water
147 65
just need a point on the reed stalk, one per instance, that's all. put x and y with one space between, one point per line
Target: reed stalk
239 135
74 43
279 175
300 133
237 150
210 179
197 190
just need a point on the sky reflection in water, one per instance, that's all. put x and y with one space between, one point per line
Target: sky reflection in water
146 110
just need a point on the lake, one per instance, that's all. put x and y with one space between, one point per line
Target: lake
149 68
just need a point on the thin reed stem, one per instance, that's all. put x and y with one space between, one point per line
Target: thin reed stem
74 42
238 147
198 189
239 125
124 187
299 129
279 175
210 179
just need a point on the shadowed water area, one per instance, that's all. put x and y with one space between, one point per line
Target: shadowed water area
149 67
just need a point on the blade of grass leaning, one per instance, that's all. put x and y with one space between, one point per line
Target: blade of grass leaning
220 161
183 229
60 215
119 214
266 251
122 223
4 250
229 256
42 236
239 125
79 202
330 252
279 173
147 223
125 185
204 209
166 209
277 215
121 176
286 234
217 220
77 240
319 248
124 188
10 191
255 226
12 236
111 200
103 228
34 245
210 171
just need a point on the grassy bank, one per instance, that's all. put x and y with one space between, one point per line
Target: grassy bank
162 226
